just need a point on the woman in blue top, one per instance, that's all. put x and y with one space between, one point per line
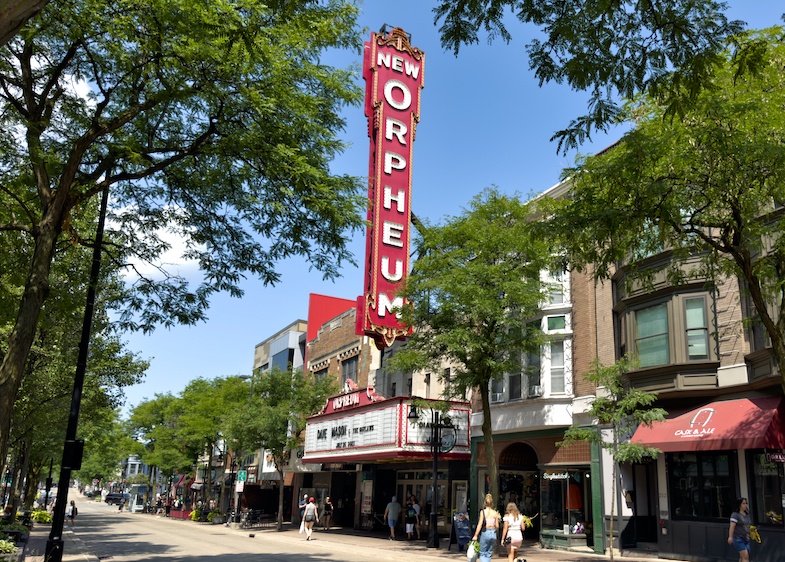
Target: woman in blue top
739 533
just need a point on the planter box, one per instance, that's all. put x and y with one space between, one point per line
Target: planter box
178 514
218 519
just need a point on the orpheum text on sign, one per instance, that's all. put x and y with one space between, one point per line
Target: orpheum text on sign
393 72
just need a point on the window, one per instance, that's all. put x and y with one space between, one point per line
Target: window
533 379
769 489
514 386
651 335
283 359
697 328
562 492
321 374
556 291
409 386
393 390
557 367
497 390
349 369
556 323
702 485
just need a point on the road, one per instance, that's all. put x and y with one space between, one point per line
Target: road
104 533
107 534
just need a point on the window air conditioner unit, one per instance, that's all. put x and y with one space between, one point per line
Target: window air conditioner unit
497 396
535 391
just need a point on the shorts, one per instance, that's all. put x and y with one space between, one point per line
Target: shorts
410 527
741 545
392 523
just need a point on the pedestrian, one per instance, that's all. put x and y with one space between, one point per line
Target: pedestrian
327 513
416 506
301 505
739 532
487 524
512 535
411 519
71 512
391 513
310 516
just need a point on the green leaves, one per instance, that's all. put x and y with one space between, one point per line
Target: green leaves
704 189
611 50
619 409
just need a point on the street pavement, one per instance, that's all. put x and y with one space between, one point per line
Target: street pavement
377 546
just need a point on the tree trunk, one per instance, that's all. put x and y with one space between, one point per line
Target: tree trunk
21 339
279 518
613 504
490 453
14 14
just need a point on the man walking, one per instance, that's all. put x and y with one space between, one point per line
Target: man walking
391 513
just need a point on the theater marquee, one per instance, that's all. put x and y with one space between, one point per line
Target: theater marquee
364 427
393 72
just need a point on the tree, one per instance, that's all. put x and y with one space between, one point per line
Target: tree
473 292
618 409
707 190
276 418
14 14
213 122
154 423
613 50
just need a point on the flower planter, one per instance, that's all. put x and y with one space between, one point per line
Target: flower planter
218 519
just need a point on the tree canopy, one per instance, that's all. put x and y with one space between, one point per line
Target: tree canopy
274 417
473 292
612 50
213 123
708 188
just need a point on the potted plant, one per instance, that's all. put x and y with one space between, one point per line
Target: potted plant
8 550
41 516
216 517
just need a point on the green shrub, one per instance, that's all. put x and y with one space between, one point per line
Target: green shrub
14 527
7 547
41 516
212 514
195 515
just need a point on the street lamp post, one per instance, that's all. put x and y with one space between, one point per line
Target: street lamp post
433 533
436 444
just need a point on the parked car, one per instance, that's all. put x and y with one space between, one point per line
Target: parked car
117 498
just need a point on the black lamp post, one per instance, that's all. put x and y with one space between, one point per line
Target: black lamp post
436 441
73 448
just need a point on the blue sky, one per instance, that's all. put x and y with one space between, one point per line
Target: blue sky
485 121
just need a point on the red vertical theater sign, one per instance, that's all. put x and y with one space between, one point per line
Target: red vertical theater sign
393 72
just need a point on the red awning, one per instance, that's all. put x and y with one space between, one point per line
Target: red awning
746 423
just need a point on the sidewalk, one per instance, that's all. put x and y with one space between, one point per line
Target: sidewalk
76 551
73 548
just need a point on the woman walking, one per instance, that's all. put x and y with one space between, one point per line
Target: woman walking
512 537
311 516
486 529
71 512
739 532
327 513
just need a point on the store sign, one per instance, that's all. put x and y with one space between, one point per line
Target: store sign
556 476
393 72
372 428
775 457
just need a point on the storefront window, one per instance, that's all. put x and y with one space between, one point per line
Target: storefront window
701 485
769 488
562 501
